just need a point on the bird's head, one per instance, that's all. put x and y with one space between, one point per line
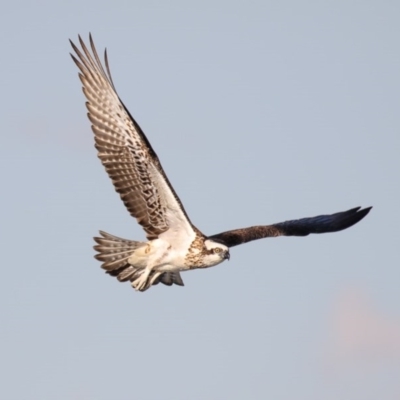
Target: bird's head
215 252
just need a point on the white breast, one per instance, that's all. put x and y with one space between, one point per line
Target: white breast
164 256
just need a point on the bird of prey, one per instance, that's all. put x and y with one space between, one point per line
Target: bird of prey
173 243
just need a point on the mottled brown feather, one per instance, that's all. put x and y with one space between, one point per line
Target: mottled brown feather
122 146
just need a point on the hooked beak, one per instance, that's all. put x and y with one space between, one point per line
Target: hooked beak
227 256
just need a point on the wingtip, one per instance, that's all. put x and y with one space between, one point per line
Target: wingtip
359 210
81 41
91 41
356 214
364 211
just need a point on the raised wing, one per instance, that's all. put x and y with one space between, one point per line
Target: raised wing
299 227
125 152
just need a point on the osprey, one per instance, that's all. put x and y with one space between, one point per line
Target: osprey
173 243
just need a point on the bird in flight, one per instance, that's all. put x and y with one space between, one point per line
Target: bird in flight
173 243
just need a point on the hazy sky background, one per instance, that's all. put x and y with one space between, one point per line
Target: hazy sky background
260 112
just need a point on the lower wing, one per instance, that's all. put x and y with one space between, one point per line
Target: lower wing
298 227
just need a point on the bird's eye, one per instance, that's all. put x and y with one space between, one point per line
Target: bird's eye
217 250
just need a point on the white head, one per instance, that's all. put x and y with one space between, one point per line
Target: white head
215 253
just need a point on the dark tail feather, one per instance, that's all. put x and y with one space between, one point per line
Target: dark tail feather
169 278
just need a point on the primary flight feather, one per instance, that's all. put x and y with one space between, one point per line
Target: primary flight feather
174 243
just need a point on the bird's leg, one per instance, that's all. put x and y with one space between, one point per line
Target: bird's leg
141 282
154 277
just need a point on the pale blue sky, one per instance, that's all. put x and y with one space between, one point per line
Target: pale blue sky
260 112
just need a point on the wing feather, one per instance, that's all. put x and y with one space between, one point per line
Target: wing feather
125 152
300 227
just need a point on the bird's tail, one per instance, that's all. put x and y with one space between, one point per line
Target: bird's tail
114 252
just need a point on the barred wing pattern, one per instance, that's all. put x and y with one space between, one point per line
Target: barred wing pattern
125 152
300 227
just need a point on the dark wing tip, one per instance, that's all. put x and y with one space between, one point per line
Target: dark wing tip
363 212
351 217
323 223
